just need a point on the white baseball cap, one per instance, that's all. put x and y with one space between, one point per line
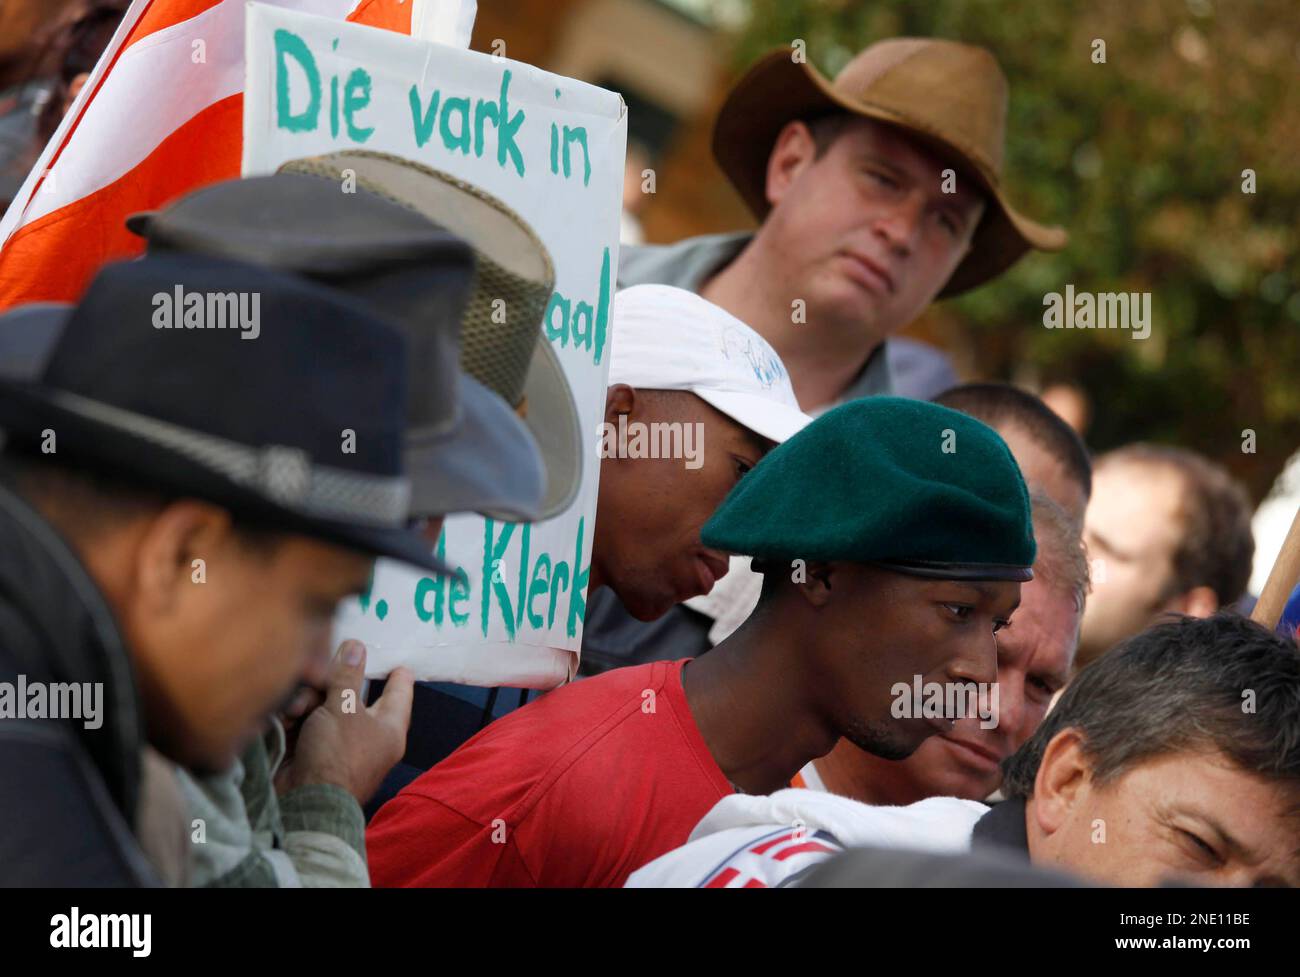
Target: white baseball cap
667 338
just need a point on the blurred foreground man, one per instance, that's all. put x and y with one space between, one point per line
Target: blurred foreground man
1168 531
863 515
171 556
397 242
1148 770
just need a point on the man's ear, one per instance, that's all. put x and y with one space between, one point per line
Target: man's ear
817 582
181 532
619 399
794 150
1063 780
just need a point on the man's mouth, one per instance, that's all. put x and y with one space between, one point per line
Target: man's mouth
711 569
870 273
974 754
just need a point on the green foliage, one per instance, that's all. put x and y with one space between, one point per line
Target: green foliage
1141 158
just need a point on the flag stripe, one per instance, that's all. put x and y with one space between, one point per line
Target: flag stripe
156 126
52 259
805 848
385 14
132 115
16 215
160 16
760 849
720 880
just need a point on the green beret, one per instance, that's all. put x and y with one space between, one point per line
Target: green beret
919 488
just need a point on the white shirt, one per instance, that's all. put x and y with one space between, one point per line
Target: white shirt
762 841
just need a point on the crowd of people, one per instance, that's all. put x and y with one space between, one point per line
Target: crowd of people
774 632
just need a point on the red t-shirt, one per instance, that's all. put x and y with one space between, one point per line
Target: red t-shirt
579 788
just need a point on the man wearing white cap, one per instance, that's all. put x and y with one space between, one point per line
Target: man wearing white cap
695 399
670 343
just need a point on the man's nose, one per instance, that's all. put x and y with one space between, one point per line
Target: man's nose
978 661
900 223
1008 708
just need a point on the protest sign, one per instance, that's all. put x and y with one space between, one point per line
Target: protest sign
551 148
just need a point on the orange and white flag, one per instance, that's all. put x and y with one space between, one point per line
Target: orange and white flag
162 114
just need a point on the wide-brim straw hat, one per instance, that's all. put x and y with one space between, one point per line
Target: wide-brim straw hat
502 342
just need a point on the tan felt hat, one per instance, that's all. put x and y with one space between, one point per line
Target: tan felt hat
952 97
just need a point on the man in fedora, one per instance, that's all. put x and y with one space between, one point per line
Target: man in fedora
595 779
178 522
508 386
876 193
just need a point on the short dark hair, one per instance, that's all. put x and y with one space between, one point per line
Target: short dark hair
1215 547
826 129
1000 403
1177 687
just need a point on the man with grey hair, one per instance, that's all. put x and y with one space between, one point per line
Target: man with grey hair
1176 757
1035 652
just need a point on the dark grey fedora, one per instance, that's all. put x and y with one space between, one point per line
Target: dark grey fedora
27 337
466 449
186 405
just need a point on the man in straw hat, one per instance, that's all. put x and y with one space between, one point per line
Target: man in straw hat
174 551
595 779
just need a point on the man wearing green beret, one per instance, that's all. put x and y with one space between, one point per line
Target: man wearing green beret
893 536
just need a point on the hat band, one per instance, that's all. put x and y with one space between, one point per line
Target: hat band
958 571
283 474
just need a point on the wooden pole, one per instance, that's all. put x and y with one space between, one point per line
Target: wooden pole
1281 579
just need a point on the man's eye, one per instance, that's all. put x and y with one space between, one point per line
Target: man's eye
1047 690
950 224
960 611
742 468
999 624
1202 849
883 178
